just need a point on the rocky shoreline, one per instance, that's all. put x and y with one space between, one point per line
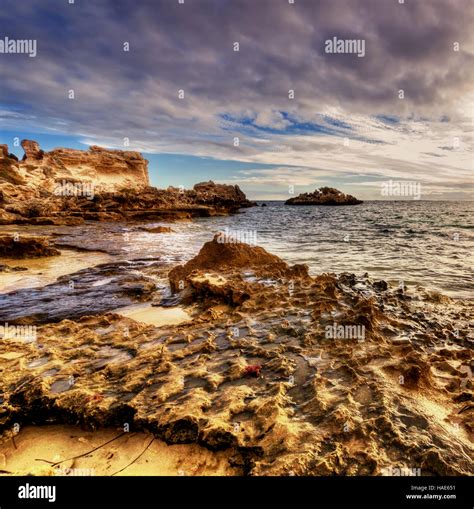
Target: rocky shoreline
254 372
68 187
234 357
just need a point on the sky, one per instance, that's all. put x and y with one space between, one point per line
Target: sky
279 115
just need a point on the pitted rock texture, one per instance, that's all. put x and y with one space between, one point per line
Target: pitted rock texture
222 252
106 169
261 378
26 247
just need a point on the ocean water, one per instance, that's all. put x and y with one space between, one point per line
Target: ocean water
423 243
418 242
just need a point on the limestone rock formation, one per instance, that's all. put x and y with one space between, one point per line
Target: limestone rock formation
266 378
104 169
324 196
66 186
32 150
210 193
3 151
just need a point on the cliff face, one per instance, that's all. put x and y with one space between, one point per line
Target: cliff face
104 169
324 196
67 186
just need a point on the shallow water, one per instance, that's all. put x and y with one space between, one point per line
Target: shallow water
155 315
43 271
417 242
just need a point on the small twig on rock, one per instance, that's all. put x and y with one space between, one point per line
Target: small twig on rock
46 461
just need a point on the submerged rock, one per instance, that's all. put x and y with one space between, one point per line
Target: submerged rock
89 291
324 196
26 247
159 229
8 268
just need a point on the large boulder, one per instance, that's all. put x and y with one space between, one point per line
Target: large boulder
210 193
223 255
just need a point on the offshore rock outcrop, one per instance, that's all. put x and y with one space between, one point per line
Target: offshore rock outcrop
324 196
66 186
277 379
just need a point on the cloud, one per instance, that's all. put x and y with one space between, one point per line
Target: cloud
271 118
346 114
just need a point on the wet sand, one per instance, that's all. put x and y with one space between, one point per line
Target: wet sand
43 271
154 315
70 451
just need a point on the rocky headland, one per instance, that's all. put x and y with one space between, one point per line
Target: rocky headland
68 187
324 196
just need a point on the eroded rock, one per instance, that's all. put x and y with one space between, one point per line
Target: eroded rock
32 150
221 253
62 185
26 247
159 229
270 379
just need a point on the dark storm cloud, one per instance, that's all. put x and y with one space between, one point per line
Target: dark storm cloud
189 46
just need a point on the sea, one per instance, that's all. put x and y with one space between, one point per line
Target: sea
426 243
